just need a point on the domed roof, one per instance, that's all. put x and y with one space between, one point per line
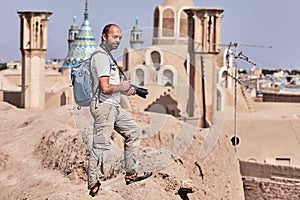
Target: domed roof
84 44
178 3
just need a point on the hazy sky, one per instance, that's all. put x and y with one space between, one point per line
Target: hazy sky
251 23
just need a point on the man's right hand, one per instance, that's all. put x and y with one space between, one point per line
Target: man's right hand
124 86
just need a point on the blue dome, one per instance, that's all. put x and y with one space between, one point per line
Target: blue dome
84 44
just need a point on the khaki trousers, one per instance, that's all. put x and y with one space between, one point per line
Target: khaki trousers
106 119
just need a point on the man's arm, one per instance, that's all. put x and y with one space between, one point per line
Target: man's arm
108 88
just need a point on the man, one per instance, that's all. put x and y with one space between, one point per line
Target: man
108 114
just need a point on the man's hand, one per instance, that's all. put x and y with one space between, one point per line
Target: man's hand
107 88
124 86
131 91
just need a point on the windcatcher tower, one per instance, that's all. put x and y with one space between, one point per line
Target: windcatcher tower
34 35
204 30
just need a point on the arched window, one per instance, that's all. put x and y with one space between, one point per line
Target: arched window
126 61
224 79
63 99
168 23
183 24
155 60
140 77
219 101
168 78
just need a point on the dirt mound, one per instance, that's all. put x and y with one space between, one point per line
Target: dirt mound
63 151
44 155
3 160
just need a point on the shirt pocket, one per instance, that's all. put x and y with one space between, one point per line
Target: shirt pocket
114 78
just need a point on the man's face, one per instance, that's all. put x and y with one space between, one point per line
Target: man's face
113 38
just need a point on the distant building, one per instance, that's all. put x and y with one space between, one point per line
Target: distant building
174 62
37 84
136 36
14 65
73 33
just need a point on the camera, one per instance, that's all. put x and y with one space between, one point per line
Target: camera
142 92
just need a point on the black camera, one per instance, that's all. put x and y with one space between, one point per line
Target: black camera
142 92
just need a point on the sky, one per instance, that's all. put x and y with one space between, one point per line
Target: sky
267 31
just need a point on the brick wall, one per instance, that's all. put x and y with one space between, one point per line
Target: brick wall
276 97
264 181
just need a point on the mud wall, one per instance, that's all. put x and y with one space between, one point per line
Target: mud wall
264 181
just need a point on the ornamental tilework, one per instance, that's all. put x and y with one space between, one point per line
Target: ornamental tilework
83 46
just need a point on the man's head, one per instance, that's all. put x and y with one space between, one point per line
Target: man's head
111 36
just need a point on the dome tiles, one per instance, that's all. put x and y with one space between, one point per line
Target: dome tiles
83 46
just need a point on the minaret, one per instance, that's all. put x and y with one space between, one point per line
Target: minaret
73 32
34 35
136 36
84 44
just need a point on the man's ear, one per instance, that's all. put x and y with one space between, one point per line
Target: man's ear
104 37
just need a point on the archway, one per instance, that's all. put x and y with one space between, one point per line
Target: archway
63 99
168 77
155 60
140 77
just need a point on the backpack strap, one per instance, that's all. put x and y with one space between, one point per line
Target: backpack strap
90 59
95 52
111 56
98 88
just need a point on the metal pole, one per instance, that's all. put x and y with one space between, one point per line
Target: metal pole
235 108
235 103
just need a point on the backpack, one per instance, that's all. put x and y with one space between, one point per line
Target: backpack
82 83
